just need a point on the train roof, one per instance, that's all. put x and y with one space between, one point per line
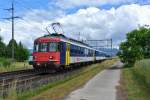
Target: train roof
56 35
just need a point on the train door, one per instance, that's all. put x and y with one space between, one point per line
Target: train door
63 53
67 53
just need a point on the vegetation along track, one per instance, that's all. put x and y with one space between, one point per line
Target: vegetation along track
9 79
29 79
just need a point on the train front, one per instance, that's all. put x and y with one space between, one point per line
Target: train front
46 55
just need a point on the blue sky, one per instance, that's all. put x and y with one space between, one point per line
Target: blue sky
22 6
95 19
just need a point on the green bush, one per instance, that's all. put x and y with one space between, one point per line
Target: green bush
142 72
5 62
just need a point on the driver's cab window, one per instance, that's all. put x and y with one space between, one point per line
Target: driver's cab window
43 47
53 47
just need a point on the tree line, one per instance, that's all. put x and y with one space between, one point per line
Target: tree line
136 46
21 53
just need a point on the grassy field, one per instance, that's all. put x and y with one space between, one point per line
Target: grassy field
136 81
59 89
7 65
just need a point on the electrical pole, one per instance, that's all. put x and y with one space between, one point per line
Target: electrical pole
79 36
12 18
111 48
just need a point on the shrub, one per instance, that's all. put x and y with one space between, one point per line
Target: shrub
5 62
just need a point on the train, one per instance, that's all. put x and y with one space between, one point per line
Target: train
56 51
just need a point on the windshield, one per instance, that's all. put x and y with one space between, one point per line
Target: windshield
46 47
43 47
53 47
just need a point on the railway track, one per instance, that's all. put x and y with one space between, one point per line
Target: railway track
15 73
9 79
28 80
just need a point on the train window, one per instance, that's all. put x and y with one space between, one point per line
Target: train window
43 47
72 49
75 49
78 48
53 47
81 50
89 51
36 47
86 52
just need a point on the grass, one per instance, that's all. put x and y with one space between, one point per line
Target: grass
7 65
59 89
135 81
12 95
142 72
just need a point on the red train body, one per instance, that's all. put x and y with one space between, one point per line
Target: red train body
45 58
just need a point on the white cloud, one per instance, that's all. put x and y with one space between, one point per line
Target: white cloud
114 23
64 4
92 23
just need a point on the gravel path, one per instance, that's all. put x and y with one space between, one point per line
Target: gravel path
101 87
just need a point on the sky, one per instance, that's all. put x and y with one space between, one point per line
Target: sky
94 19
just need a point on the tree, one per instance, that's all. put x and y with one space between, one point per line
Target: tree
9 48
136 46
22 53
2 48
